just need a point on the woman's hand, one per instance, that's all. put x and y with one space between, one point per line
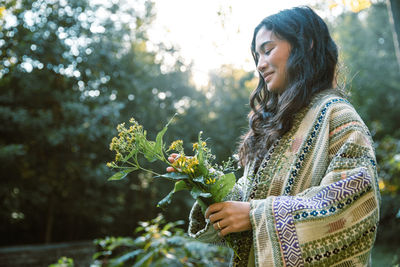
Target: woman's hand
171 159
229 216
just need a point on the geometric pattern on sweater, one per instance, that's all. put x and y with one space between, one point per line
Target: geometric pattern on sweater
285 206
329 210
307 145
314 199
340 246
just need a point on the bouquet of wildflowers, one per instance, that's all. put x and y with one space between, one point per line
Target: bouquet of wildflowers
208 183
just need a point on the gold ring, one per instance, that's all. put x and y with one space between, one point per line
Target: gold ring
219 226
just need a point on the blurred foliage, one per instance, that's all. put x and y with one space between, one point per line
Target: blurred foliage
373 81
69 73
63 262
159 244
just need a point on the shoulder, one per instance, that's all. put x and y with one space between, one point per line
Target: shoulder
337 112
332 104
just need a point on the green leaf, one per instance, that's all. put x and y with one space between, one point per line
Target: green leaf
179 186
133 151
199 179
121 174
159 141
197 192
222 186
150 152
201 157
173 176
145 259
101 253
166 200
125 257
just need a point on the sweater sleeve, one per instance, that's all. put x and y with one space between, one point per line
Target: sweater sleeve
332 223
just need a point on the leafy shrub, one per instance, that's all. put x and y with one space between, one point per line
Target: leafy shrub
159 244
63 262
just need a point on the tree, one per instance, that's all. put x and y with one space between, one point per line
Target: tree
394 18
367 51
70 73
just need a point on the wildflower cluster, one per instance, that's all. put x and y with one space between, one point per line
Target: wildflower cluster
125 142
206 182
177 145
188 165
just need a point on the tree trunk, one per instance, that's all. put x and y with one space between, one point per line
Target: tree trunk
49 221
394 18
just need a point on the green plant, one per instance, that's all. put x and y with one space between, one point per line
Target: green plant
159 244
63 262
206 182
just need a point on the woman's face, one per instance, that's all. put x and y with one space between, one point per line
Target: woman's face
272 54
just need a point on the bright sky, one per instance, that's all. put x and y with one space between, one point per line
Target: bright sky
208 39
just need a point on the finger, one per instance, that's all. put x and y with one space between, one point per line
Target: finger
225 231
215 217
170 169
173 157
213 208
222 225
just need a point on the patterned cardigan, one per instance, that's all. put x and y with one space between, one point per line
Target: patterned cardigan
314 200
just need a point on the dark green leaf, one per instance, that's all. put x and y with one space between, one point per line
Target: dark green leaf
179 185
101 253
174 176
125 257
121 174
197 192
166 200
199 179
145 259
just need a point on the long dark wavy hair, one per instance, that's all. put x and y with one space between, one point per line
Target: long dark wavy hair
310 68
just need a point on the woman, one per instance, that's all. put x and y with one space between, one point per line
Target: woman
309 193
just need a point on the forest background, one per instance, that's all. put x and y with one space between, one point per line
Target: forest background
67 79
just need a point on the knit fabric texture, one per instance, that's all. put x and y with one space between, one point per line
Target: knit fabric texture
314 200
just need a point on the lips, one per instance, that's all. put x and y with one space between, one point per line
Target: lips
268 76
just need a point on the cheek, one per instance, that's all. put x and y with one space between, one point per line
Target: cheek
283 66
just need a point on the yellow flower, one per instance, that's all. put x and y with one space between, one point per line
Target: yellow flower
114 143
176 145
210 180
118 156
121 127
111 164
192 162
195 146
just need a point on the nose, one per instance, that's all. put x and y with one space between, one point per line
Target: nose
262 64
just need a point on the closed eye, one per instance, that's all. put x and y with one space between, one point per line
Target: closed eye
267 52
